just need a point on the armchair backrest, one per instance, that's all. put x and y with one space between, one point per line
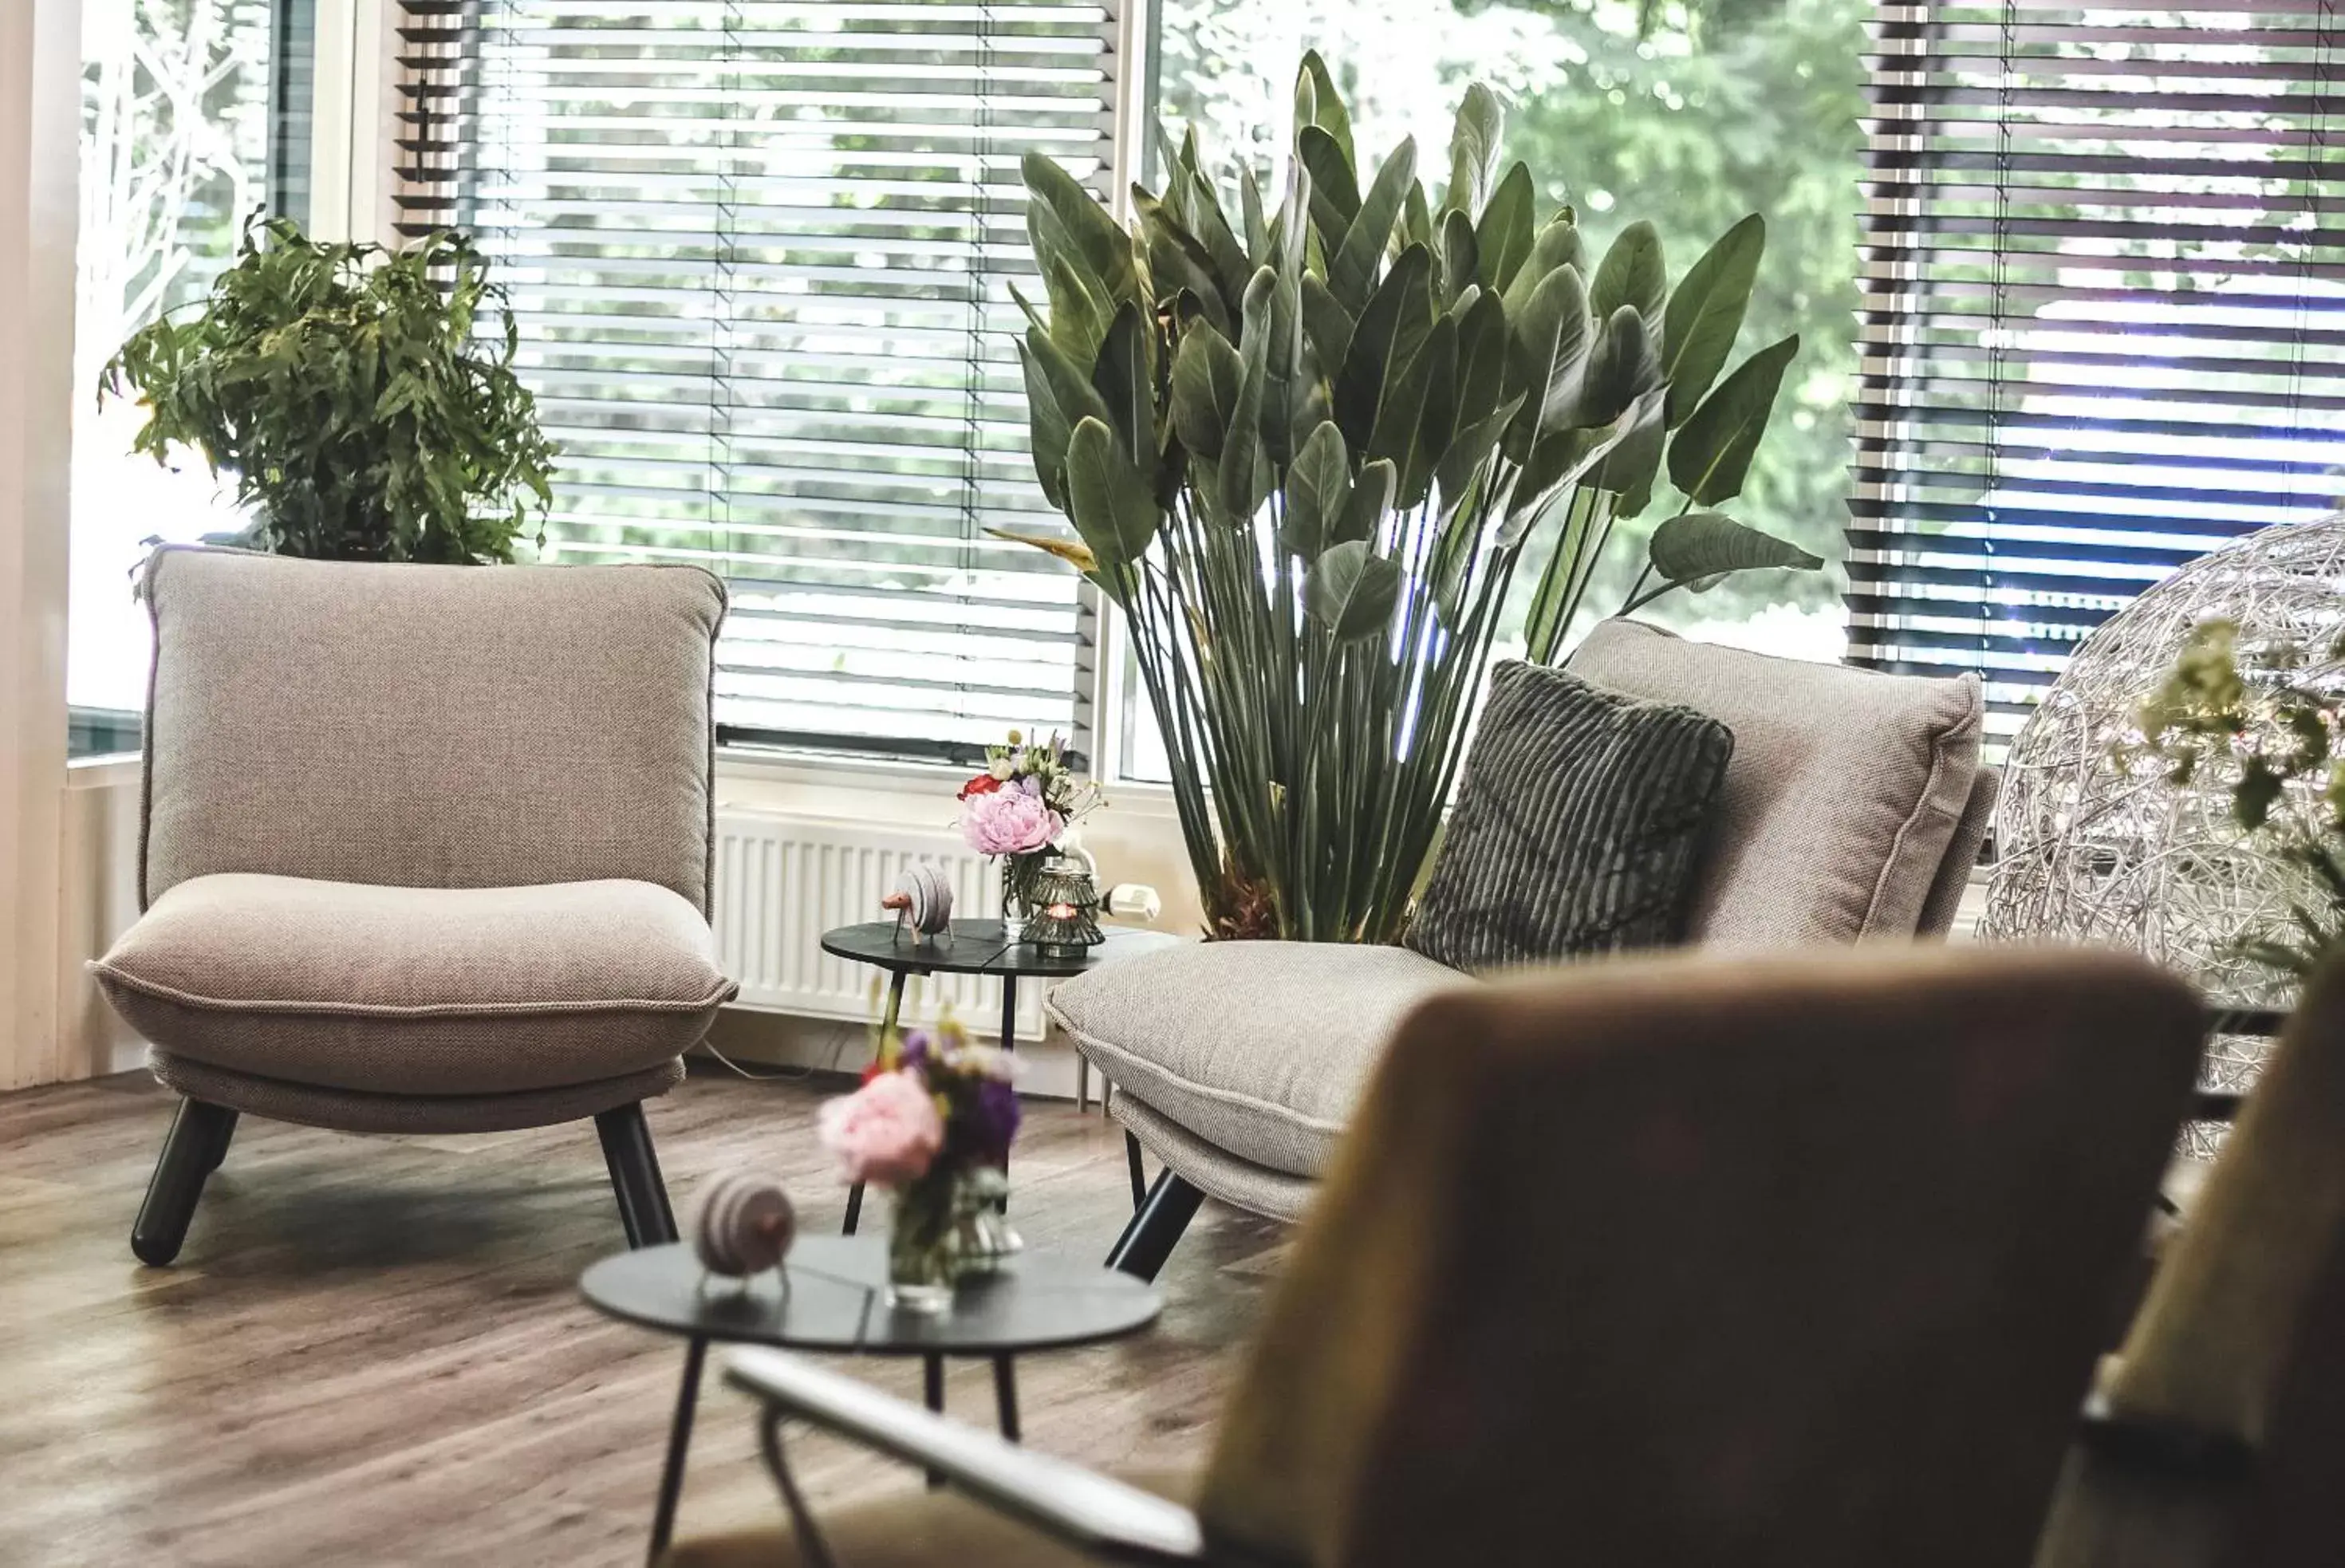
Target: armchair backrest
1694 1261
2240 1344
427 726
1853 808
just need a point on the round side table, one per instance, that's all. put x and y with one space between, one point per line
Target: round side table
973 948
831 1294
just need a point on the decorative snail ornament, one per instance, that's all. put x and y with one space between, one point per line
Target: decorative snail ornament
744 1225
922 900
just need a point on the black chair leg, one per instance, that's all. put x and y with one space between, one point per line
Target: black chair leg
635 1176
1138 1175
196 1143
220 1139
1151 1237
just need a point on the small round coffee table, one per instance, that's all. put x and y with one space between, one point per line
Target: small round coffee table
830 1294
976 948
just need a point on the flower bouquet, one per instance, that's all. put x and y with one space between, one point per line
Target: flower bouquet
932 1124
1018 810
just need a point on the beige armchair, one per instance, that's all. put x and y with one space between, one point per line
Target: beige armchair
1851 810
424 849
1777 1262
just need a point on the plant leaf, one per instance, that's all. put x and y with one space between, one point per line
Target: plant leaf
1206 373
1113 507
1548 357
1504 236
1072 550
1063 220
1327 323
1633 455
1396 321
1351 590
1705 314
1710 456
1556 245
1121 378
1245 477
1621 368
1632 273
1701 546
1474 150
1327 111
1318 488
1459 256
1048 430
1419 413
1372 493
1335 189
1351 271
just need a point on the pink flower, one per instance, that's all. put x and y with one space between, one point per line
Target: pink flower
1010 822
887 1132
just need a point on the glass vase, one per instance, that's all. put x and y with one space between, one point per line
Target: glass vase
1019 875
930 1249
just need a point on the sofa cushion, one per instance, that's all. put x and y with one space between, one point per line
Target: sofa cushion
418 991
432 726
1257 1047
1843 795
1576 829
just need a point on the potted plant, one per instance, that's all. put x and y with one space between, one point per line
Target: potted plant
1303 449
349 390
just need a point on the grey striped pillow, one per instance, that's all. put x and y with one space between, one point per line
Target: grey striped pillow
1578 827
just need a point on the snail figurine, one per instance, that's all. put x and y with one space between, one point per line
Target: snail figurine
922 899
744 1225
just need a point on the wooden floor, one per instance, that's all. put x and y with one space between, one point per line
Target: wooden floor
371 1351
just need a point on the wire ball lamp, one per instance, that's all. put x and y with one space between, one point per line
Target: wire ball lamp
2100 845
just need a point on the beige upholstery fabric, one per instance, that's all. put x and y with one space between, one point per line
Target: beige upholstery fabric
1960 861
429 726
1258 1048
1215 1173
421 991
1842 796
348 1110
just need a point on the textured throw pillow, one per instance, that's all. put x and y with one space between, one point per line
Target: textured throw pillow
1577 825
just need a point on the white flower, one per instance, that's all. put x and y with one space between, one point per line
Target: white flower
1002 768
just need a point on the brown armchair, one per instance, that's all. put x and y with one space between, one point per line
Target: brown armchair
1790 1261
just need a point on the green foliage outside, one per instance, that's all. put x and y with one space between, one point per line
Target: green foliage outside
363 399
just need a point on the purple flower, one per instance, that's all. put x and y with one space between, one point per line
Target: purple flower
996 1114
912 1052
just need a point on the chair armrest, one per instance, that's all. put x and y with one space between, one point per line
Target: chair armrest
1089 1511
2177 1449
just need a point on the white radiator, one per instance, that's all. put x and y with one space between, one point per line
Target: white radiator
783 881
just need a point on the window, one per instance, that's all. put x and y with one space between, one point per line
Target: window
761 255
194 116
2105 297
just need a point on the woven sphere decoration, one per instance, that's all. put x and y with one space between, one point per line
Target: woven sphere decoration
2096 847
744 1225
922 896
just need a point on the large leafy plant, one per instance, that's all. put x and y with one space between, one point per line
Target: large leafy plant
1305 448
346 388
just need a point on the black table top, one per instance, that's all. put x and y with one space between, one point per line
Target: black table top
836 1300
976 948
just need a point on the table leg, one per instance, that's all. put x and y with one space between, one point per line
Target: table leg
887 1024
932 1394
1009 1043
1005 1394
679 1440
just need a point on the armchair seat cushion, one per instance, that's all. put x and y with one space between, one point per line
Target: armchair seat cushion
416 990
1259 1048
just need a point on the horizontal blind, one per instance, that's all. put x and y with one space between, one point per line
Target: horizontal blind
761 255
2104 299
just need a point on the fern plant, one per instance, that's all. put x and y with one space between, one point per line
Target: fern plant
349 390
1304 448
